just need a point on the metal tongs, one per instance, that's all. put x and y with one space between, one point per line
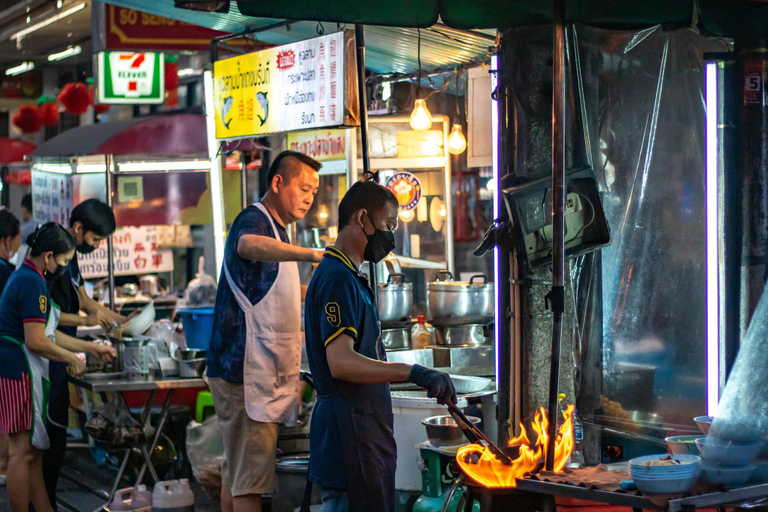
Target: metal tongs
474 434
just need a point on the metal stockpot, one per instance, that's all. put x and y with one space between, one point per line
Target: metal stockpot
454 302
395 299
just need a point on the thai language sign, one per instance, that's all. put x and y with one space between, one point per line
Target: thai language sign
322 145
126 78
298 86
52 197
135 252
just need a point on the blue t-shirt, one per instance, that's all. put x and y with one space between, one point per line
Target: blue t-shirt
340 301
227 349
25 299
5 272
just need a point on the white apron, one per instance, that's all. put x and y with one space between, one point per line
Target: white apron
272 344
41 385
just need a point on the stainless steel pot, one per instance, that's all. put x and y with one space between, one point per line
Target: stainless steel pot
396 339
462 335
395 299
451 301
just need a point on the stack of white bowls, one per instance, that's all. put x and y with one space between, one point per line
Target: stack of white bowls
667 479
728 462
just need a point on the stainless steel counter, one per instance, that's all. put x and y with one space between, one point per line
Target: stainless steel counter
123 384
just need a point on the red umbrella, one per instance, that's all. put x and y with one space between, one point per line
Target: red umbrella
14 150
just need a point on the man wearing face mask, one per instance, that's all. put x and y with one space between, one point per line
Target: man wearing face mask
90 223
352 447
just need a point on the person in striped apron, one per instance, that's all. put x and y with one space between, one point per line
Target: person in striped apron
27 333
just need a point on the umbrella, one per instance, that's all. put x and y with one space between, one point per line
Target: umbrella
14 150
176 134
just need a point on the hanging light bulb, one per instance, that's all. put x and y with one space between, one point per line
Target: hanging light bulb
421 117
457 143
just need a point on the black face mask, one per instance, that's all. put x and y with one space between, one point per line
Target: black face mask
380 243
54 276
85 248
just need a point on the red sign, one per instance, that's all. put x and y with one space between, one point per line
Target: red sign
286 59
128 29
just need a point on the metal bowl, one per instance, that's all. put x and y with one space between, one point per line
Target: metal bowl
703 422
187 354
443 430
192 368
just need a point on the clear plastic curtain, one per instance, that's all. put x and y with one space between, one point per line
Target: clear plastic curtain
640 114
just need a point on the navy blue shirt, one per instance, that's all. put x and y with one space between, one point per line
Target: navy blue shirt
5 272
25 299
339 301
254 278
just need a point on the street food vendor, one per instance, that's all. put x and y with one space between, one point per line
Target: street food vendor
255 350
90 223
352 446
10 241
27 328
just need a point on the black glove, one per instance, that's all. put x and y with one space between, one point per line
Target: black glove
437 384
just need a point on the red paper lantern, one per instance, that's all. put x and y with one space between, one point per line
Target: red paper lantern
48 113
171 76
27 120
74 97
99 109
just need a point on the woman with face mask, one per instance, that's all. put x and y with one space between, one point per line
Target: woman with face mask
10 241
27 331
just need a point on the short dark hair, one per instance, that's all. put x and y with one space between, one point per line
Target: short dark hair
95 216
9 225
26 202
285 165
50 237
364 194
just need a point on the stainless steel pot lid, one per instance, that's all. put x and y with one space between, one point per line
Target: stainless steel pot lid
477 283
395 282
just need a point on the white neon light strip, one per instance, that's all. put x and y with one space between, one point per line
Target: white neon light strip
57 168
53 19
21 68
713 314
69 52
184 165
496 213
217 194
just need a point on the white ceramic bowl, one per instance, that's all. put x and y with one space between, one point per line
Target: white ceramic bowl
727 476
703 422
729 453
469 384
141 322
665 486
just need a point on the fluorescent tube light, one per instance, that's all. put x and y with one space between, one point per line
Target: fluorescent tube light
184 165
21 68
496 214
189 72
53 19
69 52
712 253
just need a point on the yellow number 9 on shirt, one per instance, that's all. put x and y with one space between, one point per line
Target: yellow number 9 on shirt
332 312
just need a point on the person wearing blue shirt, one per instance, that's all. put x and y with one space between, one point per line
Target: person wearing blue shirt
27 336
352 447
255 350
10 241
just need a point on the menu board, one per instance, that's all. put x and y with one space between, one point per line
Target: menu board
52 197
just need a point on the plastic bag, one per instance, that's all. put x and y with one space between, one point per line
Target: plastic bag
205 450
202 289
114 426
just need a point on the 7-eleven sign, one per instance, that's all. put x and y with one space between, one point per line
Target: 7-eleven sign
131 78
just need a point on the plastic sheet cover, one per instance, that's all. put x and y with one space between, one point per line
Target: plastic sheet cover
639 111
743 409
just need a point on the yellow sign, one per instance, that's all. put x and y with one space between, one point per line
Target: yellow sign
293 87
322 145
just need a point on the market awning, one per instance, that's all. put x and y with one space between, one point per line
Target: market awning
176 134
14 150
744 18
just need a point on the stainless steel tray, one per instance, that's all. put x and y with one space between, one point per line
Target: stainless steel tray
104 376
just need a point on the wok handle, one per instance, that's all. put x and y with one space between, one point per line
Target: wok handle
476 432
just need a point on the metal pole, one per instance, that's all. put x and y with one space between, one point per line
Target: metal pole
110 162
557 295
361 92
